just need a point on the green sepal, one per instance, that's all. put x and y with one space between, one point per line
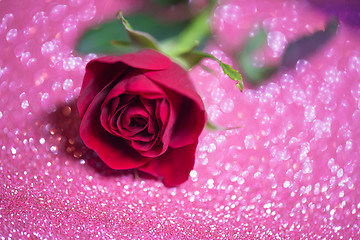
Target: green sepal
194 57
233 74
139 38
212 127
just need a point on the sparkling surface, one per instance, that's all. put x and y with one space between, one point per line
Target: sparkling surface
290 172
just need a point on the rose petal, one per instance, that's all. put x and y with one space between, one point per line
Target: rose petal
144 59
150 106
173 166
97 76
177 79
144 136
153 146
187 112
134 83
101 71
127 117
114 151
145 148
113 125
165 116
114 106
124 101
108 119
190 121
162 132
163 111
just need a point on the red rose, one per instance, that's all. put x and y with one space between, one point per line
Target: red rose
141 111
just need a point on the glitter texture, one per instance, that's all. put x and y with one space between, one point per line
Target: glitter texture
290 172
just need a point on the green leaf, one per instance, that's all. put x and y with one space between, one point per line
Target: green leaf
299 49
142 39
105 37
160 30
255 75
256 42
99 39
194 34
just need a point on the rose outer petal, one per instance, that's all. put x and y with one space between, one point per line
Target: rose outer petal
114 151
145 59
171 166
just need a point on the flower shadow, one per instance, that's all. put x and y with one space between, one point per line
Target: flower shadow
64 125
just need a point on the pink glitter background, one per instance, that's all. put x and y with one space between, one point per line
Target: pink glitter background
291 172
